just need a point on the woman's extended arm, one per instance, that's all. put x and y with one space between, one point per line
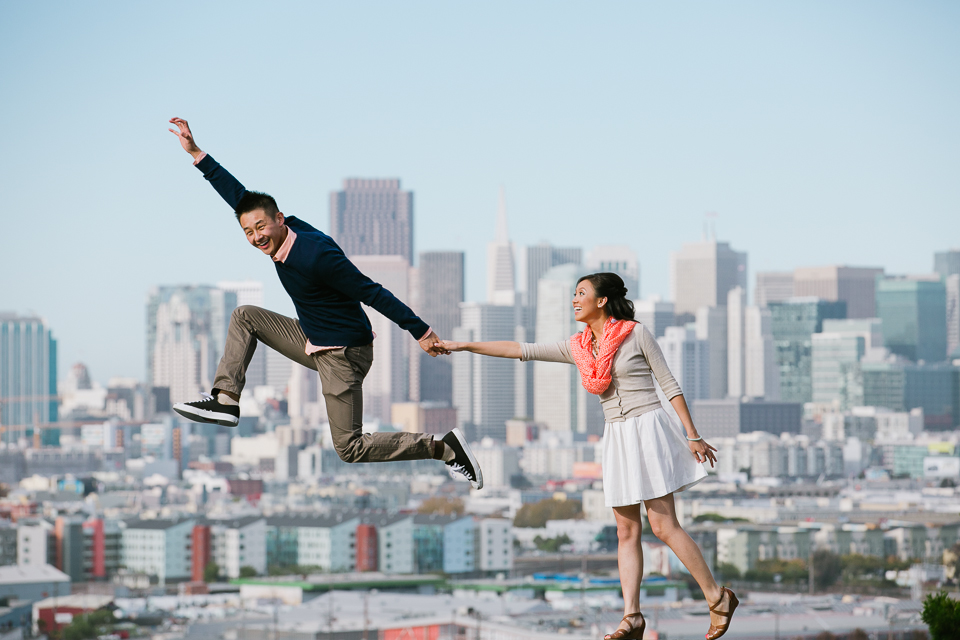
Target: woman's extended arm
496 349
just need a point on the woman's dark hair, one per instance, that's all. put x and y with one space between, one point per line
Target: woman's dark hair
610 286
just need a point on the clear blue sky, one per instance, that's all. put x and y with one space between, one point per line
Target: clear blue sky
820 132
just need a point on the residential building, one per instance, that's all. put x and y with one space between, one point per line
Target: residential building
793 324
28 378
688 360
387 381
424 417
428 538
483 388
914 315
68 532
396 549
702 273
499 463
460 546
36 544
853 285
160 548
372 217
239 543
186 333
328 542
773 286
34 583
619 259
495 549
8 543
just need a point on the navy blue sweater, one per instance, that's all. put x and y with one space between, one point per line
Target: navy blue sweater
325 286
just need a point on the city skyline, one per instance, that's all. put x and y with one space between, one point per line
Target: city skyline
809 155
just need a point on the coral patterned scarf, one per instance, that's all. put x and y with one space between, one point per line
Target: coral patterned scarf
595 372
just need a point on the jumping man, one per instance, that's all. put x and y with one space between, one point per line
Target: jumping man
332 334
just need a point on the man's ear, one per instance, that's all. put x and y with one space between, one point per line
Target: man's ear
279 217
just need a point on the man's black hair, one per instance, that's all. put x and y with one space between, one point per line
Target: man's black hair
257 200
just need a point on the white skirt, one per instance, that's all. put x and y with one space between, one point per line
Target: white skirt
646 457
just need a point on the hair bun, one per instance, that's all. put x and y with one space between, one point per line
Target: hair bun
623 292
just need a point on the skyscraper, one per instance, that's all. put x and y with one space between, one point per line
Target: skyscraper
914 315
186 332
559 400
854 285
702 273
483 388
952 284
947 263
372 217
250 292
501 270
387 380
534 262
688 359
835 369
773 286
28 376
655 314
619 259
441 277
711 325
793 323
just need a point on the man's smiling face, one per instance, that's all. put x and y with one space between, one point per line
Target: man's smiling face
264 231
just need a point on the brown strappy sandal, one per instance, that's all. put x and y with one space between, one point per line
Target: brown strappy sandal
715 632
633 633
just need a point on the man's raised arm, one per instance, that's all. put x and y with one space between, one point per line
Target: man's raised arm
226 185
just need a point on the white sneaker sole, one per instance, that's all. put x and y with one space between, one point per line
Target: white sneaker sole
473 460
208 417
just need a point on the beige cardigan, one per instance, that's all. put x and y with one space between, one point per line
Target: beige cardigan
632 392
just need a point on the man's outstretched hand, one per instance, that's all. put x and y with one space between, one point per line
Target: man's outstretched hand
186 137
432 345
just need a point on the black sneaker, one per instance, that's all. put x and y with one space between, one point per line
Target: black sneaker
463 461
209 410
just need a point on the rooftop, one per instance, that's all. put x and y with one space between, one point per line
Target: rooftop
24 574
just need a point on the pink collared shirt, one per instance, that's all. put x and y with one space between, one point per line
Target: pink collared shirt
281 256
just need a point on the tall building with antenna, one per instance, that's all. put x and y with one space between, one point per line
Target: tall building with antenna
501 269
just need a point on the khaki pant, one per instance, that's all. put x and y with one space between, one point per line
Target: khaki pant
341 370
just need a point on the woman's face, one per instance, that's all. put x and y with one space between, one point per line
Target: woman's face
586 306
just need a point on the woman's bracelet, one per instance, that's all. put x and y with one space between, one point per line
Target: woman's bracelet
694 439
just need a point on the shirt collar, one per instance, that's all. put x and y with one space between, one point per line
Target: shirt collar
284 250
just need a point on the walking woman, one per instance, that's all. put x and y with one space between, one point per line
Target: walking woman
647 456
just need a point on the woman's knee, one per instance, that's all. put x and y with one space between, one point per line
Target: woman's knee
628 530
662 526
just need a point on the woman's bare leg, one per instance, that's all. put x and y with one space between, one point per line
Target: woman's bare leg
629 559
662 514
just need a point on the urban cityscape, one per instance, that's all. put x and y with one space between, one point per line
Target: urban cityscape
772 184
832 395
